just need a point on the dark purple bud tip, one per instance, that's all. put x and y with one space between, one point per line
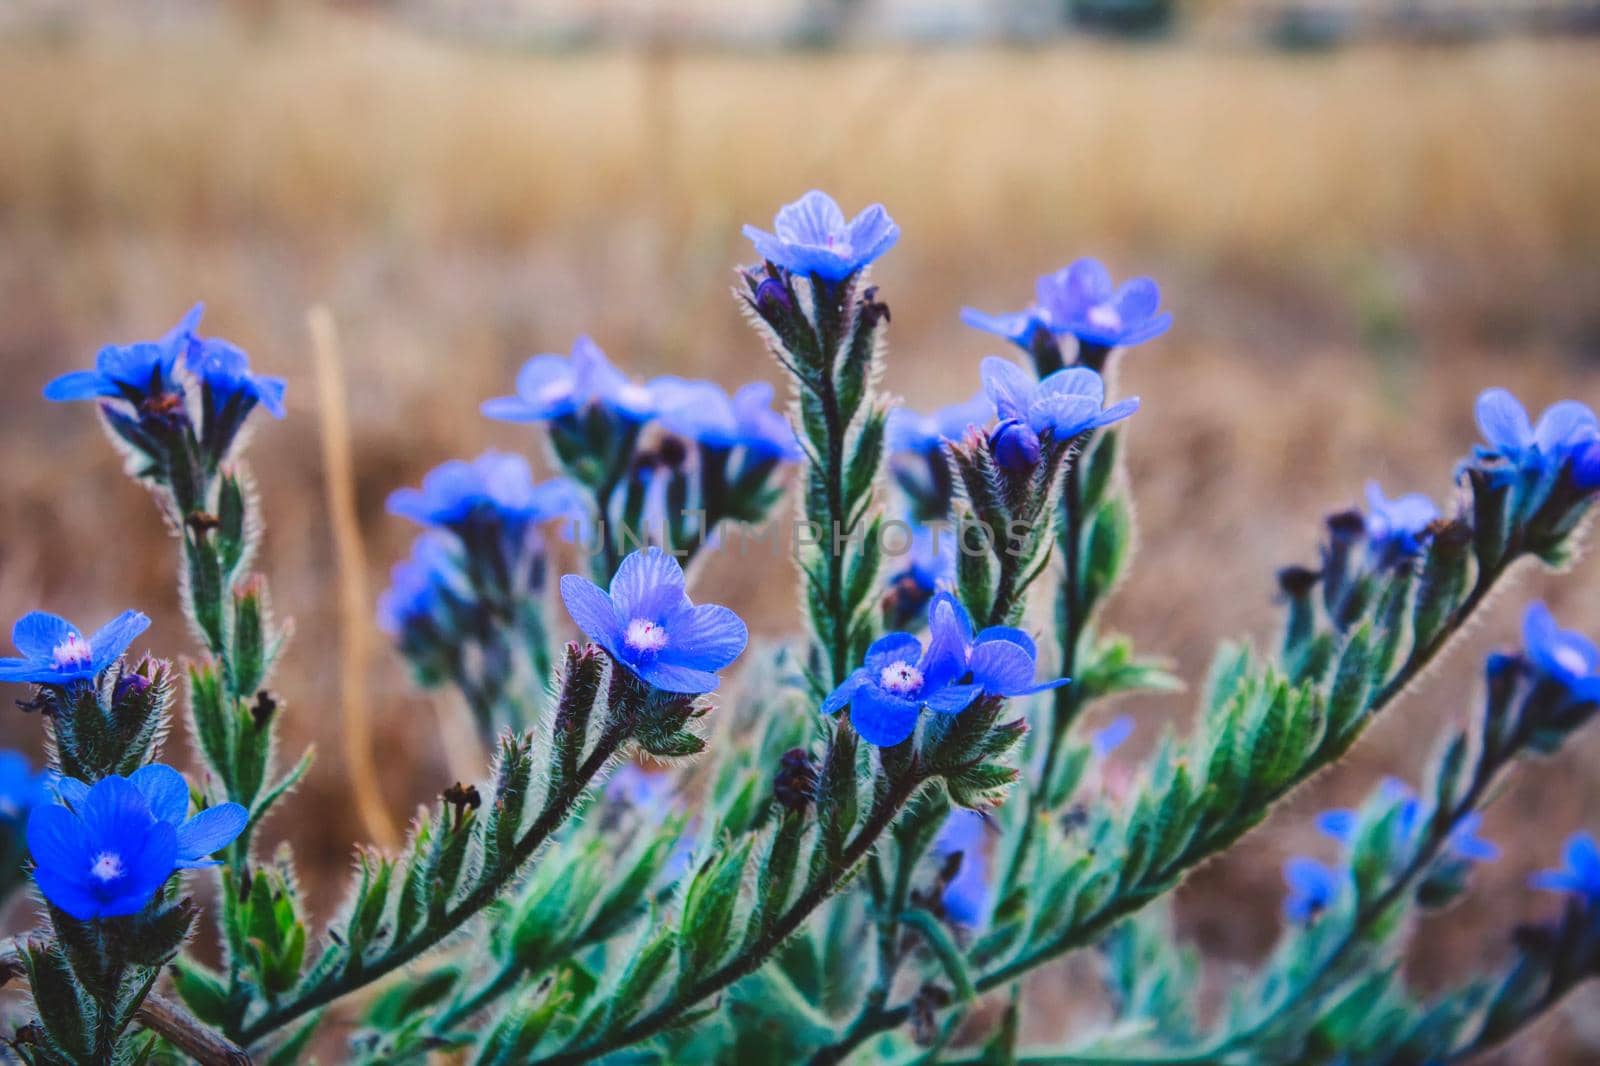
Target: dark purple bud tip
262 710
130 685
1015 446
1298 581
672 452
1347 526
795 784
772 297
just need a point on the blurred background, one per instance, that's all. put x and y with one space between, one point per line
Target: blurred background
1361 214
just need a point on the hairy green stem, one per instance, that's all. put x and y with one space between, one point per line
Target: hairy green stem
555 812
1102 922
754 955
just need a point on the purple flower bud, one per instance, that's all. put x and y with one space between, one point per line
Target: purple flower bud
772 297
1015 446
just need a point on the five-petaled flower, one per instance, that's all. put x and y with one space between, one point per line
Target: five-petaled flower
1580 876
1313 886
55 652
1564 656
1079 299
560 386
1397 527
914 433
812 237
21 788
899 678
106 849
647 624
1065 404
496 488
1564 430
132 372
703 412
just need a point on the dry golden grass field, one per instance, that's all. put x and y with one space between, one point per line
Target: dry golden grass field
1353 245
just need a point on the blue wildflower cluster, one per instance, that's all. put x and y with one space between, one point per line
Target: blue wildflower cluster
903 809
663 462
1079 301
178 404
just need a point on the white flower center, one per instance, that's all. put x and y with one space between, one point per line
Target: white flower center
645 635
107 867
1104 316
74 651
1571 659
555 390
902 679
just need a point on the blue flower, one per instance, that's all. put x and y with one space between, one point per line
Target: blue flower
1581 875
1564 656
20 787
1112 737
167 794
703 412
647 624
558 386
232 390
1079 299
1395 527
495 488
1563 430
1018 327
54 652
420 586
966 897
813 237
109 848
132 372
900 677
1064 404
1313 887
913 433
931 562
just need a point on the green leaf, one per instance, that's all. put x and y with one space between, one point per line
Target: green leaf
944 948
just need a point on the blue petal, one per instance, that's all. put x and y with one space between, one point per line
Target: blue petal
1008 387
1340 824
114 637
210 831
952 699
1503 421
78 385
148 869
707 637
1074 381
949 641
37 634
67 893
1015 327
70 791
648 584
58 841
881 719
812 219
165 790
116 814
841 696
1565 424
593 612
1110 738
670 678
1001 667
